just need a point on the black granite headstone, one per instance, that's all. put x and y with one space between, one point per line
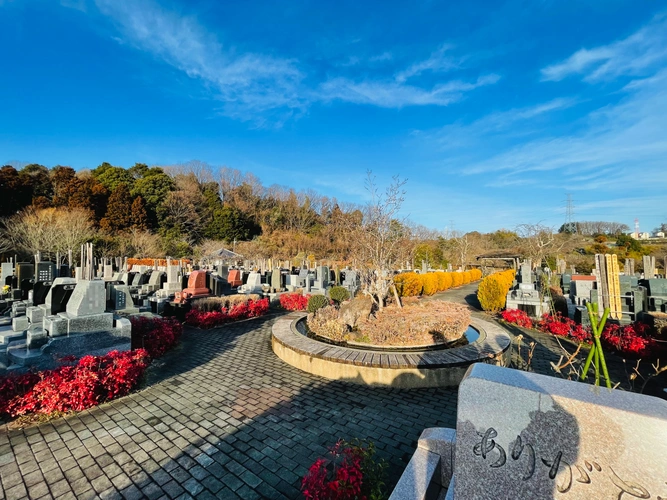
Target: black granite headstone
60 294
39 292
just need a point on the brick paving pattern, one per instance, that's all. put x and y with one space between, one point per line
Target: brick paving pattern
221 417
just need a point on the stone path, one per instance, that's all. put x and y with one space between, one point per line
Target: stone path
222 417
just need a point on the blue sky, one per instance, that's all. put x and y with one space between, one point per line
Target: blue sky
493 111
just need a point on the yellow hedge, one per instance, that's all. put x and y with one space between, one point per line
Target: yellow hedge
492 291
413 284
444 281
409 284
430 281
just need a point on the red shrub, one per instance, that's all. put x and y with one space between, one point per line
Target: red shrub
243 310
517 317
294 301
91 381
156 335
564 327
633 339
349 472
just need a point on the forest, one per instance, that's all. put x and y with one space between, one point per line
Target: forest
192 209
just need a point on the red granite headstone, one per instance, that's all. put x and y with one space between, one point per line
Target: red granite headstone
234 278
196 287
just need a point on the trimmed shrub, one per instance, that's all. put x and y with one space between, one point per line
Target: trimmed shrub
339 294
457 279
294 301
467 278
243 310
316 302
476 274
444 281
409 284
430 282
492 291
76 386
156 335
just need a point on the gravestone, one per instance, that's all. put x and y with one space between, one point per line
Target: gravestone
526 274
121 299
59 293
24 271
276 280
523 435
46 271
253 284
520 435
649 266
196 287
6 272
234 278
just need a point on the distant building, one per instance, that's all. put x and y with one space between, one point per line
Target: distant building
658 234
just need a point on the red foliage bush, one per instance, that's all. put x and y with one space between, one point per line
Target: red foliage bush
517 317
211 319
564 327
156 335
630 340
633 339
91 381
349 473
294 301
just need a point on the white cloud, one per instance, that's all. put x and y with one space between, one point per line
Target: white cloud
390 94
437 62
245 82
263 88
500 124
632 56
626 140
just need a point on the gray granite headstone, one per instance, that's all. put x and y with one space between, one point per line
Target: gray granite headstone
522 435
89 297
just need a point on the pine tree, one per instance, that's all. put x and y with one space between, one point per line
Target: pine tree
139 215
119 212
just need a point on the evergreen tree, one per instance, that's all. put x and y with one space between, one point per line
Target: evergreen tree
139 216
119 210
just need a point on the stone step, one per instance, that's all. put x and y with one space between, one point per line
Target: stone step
25 357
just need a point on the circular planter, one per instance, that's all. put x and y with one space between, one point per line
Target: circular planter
439 368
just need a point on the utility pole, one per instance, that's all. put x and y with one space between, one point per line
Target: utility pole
569 215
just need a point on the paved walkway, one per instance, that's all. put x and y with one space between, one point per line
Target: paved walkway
222 417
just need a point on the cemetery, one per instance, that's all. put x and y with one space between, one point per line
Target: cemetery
428 370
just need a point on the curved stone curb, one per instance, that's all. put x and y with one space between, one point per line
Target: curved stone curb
396 369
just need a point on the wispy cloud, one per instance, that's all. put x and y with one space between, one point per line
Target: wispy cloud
439 61
247 83
631 56
251 86
498 124
390 94
620 136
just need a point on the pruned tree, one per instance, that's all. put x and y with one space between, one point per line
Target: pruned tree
538 241
379 238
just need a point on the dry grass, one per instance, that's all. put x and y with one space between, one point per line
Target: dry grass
209 304
326 323
433 322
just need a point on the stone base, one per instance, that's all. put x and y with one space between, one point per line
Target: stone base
35 314
88 324
20 323
55 325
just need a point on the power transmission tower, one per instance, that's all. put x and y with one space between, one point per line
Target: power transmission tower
569 215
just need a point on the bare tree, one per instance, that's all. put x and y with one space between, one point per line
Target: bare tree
379 238
50 230
538 241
